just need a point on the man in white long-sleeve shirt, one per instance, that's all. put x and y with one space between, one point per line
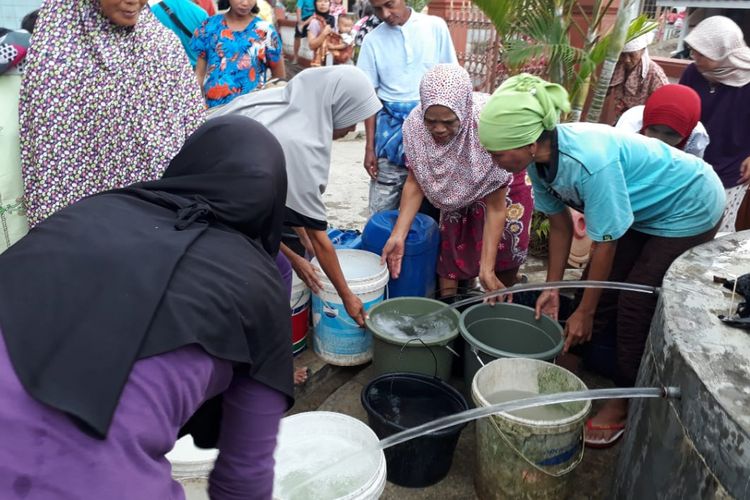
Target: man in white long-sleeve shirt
395 56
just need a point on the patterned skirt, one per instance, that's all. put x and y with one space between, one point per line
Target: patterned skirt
461 234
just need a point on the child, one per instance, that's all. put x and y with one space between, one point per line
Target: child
337 9
305 11
341 44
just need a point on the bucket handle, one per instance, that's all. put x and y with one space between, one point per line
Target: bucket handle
476 354
428 347
526 459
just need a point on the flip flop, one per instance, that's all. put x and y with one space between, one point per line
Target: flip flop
603 443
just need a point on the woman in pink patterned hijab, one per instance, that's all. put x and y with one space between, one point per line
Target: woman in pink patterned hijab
484 210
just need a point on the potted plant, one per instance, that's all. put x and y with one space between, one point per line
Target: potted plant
539 237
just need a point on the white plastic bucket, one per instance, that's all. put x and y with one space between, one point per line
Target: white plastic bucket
191 467
338 339
519 457
300 305
310 442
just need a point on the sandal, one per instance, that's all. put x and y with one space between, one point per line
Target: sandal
603 443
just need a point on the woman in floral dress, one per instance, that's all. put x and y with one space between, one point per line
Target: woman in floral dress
107 99
485 211
235 51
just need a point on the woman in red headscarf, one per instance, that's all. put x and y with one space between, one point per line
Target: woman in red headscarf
672 115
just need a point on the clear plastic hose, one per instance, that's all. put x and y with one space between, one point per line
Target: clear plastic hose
546 399
557 285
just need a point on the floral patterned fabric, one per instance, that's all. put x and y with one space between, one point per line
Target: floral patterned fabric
237 60
461 234
460 172
101 106
632 89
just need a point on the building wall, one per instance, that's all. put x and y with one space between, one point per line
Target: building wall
12 11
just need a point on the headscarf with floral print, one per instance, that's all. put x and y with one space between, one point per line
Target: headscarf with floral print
102 106
456 174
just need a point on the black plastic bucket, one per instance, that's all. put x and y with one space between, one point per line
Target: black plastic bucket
398 401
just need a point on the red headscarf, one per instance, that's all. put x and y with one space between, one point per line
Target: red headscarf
676 106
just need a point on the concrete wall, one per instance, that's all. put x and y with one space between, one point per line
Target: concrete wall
699 446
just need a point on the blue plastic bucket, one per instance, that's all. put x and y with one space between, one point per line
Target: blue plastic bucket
338 339
418 269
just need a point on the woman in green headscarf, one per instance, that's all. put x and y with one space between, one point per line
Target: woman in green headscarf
639 224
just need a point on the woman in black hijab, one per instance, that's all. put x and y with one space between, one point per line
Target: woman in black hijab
137 312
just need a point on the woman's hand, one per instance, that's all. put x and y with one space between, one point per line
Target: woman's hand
327 30
548 304
578 328
307 273
393 254
745 171
355 308
491 283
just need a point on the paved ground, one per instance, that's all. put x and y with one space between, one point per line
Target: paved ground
338 389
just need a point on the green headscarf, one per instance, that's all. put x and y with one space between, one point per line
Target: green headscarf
519 110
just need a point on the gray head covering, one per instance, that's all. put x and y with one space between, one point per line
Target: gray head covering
302 116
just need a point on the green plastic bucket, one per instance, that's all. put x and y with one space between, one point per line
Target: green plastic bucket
506 331
429 355
524 457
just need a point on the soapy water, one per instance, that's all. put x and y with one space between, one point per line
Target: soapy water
337 467
409 327
309 456
404 327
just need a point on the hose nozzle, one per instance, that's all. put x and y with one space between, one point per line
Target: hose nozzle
672 393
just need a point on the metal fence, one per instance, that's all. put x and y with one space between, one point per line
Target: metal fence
479 47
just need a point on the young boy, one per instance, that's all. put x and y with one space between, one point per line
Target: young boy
305 11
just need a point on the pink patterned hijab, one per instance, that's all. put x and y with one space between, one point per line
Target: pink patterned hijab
456 174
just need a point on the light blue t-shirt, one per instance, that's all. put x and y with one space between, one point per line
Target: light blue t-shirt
621 180
306 7
189 14
395 58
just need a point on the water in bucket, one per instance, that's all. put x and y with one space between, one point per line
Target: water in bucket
334 467
403 327
538 413
309 442
410 326
309 456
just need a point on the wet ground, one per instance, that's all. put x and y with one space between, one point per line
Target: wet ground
338 389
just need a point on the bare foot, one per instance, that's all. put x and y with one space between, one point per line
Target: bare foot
300 375
608 421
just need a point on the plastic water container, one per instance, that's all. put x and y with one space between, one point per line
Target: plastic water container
345 238
300 305
506 331
311 442
338 339
418 268
429 354
191 467
523 457
398 401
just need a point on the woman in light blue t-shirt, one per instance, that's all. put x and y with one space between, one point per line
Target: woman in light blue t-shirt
645 203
